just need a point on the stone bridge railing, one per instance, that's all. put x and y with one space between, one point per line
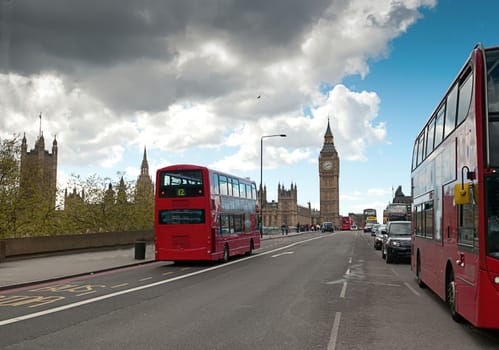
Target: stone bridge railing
20 247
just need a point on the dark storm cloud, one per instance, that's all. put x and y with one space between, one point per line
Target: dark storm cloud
56 34
259 26
124 52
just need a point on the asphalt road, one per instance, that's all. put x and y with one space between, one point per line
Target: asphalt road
314 291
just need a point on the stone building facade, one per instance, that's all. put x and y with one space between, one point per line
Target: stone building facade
329 174
144 188
39 170
287 211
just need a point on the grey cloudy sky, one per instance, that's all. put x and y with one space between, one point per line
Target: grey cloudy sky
109 75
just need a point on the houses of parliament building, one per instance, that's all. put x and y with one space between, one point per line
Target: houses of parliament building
39 175
287 211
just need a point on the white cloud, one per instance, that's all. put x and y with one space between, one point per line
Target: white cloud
378 192
195 86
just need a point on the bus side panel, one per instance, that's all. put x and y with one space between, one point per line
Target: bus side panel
467 271
428 260
467 288
238 243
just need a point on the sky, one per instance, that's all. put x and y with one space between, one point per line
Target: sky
201 81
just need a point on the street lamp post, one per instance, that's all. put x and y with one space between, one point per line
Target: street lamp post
261 178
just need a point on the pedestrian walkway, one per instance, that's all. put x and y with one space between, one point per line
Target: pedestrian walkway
19 272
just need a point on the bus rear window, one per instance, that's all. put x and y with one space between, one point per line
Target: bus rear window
181 183
181 216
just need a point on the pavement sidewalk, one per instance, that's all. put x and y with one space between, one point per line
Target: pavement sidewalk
21 272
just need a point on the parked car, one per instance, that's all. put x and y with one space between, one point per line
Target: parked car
396 242
374 229
369 225
327 227
354 227
378 237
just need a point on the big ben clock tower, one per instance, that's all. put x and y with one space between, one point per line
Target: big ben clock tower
329 171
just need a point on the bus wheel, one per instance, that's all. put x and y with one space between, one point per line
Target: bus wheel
250 251
451 297
419 280
226 254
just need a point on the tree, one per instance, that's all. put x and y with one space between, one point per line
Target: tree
27 209
9 185
101 208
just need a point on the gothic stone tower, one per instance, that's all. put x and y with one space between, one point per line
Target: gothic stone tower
144 186
288 205
39 170
329 170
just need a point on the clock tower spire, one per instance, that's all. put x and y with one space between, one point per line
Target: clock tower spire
329 170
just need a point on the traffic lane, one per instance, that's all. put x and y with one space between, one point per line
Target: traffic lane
260 302
39 297
392 312
369 273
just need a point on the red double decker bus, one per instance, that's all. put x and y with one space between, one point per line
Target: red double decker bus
202 214
346 223
455 188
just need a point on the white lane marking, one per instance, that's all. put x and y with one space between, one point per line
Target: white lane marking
343 289
285 253
334 332
383 284
131 290
336 282
412 289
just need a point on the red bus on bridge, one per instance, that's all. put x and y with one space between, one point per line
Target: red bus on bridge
455 185
203 214
346 223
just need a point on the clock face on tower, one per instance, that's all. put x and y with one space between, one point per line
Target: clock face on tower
327 165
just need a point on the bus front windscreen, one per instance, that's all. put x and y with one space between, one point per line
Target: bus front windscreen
181 183
369 212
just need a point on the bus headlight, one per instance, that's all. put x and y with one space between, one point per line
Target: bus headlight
496 279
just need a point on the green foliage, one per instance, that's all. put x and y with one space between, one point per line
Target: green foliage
95 204
9 185
106 206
